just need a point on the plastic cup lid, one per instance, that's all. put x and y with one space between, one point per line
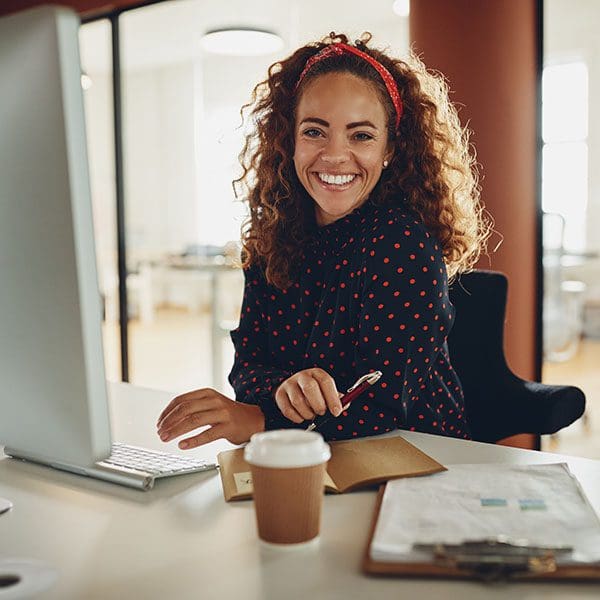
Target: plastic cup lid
291 448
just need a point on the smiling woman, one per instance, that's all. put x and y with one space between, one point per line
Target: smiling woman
363 202
339 154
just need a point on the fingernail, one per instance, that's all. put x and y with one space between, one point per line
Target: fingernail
183 444
163 436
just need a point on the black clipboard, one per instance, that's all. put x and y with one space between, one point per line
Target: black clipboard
444 569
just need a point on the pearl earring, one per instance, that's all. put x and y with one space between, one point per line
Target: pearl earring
385 163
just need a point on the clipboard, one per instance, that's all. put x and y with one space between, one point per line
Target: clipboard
446 567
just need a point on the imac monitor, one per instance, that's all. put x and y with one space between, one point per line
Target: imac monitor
53 398
53 394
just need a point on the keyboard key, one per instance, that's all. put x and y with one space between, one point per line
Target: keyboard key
153 462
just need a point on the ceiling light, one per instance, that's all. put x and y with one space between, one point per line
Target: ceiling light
241 41
401 7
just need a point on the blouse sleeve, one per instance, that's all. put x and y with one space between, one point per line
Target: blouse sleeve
252 377
404 319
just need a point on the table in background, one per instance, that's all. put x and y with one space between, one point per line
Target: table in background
181 540
215 267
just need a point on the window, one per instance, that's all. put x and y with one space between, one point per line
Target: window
565 151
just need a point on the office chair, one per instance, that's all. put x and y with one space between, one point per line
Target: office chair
498 403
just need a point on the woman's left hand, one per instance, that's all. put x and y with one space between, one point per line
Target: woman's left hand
234 421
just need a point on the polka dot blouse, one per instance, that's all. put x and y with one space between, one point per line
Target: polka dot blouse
371 295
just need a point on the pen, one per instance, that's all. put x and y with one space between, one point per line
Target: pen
353 392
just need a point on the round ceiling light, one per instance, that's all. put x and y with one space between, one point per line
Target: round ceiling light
241 41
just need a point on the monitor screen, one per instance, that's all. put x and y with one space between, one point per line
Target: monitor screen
52 391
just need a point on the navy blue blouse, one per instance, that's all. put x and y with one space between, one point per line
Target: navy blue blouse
371 295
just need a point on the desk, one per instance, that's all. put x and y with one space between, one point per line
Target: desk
181 540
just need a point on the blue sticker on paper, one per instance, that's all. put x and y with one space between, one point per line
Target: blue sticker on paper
532 504
493 502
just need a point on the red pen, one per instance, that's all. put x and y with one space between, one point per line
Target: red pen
353 392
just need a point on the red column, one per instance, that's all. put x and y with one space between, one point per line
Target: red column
488 51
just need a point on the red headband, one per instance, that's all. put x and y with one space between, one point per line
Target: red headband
339 48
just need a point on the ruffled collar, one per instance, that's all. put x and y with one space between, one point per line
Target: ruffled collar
331 239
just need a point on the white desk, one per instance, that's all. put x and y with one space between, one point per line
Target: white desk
181 540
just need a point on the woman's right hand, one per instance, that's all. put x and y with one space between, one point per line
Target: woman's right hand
308 393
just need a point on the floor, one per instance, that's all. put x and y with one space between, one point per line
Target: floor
173 353
583 437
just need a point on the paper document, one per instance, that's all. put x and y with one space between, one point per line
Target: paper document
542 504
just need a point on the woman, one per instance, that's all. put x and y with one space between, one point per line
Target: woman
363 201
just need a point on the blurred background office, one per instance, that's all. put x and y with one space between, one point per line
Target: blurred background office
571 205
182 133
171 134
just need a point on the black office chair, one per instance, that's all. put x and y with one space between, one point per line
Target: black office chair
498 403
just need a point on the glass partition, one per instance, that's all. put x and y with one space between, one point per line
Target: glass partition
571 204
97 75
181 139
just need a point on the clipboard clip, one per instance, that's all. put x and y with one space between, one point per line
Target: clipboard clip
498 558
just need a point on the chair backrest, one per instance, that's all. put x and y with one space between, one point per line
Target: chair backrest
498 403
476 345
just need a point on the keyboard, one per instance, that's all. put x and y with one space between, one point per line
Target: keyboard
152 462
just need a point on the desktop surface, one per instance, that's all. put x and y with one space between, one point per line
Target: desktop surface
181 540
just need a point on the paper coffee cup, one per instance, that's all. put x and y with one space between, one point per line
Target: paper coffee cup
288 468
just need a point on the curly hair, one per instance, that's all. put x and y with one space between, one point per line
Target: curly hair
432 172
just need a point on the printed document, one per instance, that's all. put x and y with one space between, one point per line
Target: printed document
540 505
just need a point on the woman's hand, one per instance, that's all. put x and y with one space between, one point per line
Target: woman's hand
234 421
308 393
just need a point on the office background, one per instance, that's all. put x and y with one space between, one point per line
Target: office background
175 146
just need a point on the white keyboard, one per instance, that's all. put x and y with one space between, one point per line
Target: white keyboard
152 462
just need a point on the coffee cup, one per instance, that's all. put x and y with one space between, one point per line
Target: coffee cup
288 470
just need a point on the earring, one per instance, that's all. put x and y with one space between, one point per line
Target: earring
385 163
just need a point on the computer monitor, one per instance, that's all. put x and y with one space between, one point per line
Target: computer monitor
53 402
